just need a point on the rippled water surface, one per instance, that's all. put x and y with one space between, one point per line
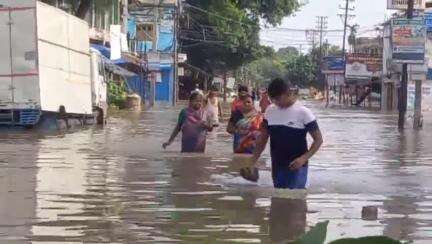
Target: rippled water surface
116 185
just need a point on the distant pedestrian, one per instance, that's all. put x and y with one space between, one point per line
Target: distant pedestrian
245 126
194 125
238 101
264 101
287 123
213 106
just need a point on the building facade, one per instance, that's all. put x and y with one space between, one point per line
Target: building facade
152 37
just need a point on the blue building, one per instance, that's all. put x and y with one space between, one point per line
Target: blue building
152 38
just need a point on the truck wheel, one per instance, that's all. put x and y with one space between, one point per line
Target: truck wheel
99 116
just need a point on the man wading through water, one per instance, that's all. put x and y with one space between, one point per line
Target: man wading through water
286 123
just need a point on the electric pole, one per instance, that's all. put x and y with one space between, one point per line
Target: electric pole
176 47
404 83
321 27
311 37
345 18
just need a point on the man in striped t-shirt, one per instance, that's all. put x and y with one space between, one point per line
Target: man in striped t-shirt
287 123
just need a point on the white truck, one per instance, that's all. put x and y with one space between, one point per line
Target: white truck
46 66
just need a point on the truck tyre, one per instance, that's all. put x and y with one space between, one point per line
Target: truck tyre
99 116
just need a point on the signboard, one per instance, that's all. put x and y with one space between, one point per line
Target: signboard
115 41
403 4
408 40
230 82
182 57
363 66
333 65
426 96
428 22
181 71
335 80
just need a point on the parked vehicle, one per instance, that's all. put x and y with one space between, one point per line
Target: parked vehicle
46 66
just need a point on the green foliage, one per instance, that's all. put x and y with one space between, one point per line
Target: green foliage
367 240
287 63
236 24
300 70
317 235
116 94
332 50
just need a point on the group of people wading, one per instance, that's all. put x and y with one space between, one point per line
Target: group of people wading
282 119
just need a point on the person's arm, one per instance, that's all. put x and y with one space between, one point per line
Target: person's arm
235 117
261 144
174 134
207 125
316 145
231 128
176 130
220 110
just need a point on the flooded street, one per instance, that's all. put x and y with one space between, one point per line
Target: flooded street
116 185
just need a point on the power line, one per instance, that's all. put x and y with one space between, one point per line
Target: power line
219 16
321 25
347 9
200 40
288 44
289 40
299 30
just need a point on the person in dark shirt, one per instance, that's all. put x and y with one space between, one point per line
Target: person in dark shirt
286 124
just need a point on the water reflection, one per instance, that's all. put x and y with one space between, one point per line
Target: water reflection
116 185
17 187
287 219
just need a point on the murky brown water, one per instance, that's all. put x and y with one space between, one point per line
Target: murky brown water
116 185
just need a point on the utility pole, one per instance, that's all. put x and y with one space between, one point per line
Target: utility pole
345 17
321 27
418 105
418 95
404 83
311 37
176 35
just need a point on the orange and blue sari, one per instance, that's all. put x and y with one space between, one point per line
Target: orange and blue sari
249 130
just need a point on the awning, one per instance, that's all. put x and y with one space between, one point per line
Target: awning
117 69
106 51
113 67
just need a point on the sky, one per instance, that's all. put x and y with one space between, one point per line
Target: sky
368 13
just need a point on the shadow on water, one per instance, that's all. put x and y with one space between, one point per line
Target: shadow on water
116 185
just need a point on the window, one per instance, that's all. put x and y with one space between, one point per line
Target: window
146 32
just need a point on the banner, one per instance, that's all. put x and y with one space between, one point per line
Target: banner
403 4
428 22
333 65
363 66
115 41
408 40
426 96
335 80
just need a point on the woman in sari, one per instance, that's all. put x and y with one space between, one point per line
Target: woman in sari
194 125
245 126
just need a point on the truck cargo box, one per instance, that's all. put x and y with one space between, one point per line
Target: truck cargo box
44 62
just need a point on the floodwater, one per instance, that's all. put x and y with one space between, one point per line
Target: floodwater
116 185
